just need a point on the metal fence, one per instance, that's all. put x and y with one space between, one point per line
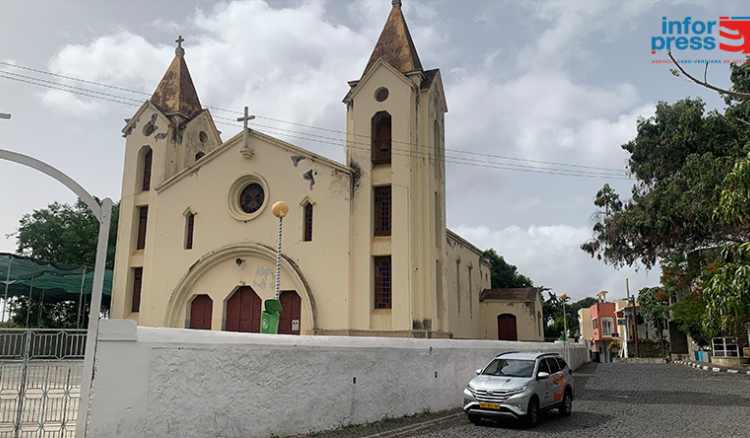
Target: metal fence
40 381
52 344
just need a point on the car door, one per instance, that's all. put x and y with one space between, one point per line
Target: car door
557 380
545 389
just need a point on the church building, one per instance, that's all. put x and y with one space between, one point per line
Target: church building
365 250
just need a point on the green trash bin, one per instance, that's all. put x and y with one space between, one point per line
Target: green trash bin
269 318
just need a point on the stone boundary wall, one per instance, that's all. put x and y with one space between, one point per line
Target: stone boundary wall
158 382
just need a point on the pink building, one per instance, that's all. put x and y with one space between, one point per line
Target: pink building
604 329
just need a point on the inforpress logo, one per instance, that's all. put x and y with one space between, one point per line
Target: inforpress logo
687 34
737 31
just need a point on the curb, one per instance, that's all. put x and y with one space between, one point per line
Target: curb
715 369
415 427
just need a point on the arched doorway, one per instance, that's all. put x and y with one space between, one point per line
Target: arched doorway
289 320
243 311
506 327
201 312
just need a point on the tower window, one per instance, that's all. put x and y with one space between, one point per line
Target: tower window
189 226
307 237
381 138
382 94
199 155
137 283
142 222
147 158
383 282
383 211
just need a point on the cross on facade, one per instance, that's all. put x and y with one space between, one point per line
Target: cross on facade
246 151
179 50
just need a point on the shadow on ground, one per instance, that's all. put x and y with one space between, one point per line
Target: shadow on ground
551 422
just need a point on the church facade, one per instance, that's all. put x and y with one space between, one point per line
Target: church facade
365 248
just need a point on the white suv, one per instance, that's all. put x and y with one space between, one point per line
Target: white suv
520 385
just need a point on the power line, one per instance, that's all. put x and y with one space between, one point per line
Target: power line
481 154
317 138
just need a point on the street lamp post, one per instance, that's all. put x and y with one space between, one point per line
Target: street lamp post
270 316
563 298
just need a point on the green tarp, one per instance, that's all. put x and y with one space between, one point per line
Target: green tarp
47 281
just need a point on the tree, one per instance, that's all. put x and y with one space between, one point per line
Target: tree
504 275
64 234
655 310
687 206
689 315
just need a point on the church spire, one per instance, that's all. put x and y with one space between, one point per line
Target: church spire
395 45
176 93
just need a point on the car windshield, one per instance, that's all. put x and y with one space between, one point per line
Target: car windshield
510 368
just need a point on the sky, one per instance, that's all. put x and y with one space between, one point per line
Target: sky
527 83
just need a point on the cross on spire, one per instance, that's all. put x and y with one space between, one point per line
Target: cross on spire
246 151
179 50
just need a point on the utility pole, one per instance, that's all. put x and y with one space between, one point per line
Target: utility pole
635 317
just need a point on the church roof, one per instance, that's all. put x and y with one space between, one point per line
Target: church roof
395 45
176 92
528 294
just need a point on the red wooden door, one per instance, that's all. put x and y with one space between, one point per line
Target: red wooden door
201 310
506 327
243 311
289 320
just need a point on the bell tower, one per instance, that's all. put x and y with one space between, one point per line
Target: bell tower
168 134
395 144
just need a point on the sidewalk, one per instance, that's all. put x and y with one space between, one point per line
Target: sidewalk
712 367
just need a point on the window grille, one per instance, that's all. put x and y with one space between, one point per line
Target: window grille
383 211
383 282
308 223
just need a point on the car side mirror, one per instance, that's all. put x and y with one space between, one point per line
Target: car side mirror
479 371
542 375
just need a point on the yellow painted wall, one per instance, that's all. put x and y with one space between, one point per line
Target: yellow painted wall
529 325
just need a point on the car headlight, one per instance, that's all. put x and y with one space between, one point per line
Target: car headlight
516 390
470 388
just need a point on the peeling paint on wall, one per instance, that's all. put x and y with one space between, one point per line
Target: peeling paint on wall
356 176
132 127
308 176
264 278
296 159
160 136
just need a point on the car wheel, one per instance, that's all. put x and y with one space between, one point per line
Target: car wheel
567 406
475 419
532 414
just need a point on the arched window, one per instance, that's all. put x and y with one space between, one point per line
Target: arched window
381 138
146 180
189 228
437 151
307 226
199 155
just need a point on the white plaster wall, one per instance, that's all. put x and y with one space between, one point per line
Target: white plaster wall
158 382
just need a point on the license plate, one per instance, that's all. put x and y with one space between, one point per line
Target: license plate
489 406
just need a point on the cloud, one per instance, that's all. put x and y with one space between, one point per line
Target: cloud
287 63
551 257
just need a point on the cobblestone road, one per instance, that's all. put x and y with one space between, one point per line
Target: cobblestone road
635 400
613 400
